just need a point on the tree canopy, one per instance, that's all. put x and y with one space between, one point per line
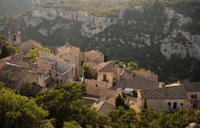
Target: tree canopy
19 111
64 103
122 118
119 102
86 71
34 53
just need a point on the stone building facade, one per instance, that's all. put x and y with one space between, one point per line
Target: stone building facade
96 88
14 36
72 55
165 99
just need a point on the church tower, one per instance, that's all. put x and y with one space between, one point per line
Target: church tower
14 36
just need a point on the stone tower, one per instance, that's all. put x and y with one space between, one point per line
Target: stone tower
14 36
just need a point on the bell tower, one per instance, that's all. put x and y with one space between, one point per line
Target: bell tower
14 36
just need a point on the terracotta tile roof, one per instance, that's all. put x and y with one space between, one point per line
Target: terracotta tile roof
92 54
105 67
172 92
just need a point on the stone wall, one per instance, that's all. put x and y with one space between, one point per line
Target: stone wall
96 88
109 77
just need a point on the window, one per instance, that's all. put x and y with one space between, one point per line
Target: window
96 85
56 74
52 80
104 77
61 81
195 96
169 104
14 38
194 106
181 104
175 105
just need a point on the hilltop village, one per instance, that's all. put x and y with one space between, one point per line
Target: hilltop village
104 80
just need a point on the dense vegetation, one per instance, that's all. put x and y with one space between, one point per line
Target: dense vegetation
19 111
63 108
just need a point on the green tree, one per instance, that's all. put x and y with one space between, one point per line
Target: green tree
30 89
4 52
132 66
122 118
149 119
19 111
119 101
34 53
65 104
71 124
86 71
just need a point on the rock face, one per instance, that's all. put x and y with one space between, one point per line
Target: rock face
151 35
90 25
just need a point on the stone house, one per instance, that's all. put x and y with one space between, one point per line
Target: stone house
108 72
72 55
93 56
146 74
193 92
136 81
61 72
17 73
105 72
96 88
164 99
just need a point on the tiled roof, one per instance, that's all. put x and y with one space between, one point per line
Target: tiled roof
172 92
92 54
67 48
192 86
140 84
29 44
105 67
131 80
60 65
104 107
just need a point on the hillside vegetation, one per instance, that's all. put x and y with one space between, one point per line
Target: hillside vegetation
13 7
